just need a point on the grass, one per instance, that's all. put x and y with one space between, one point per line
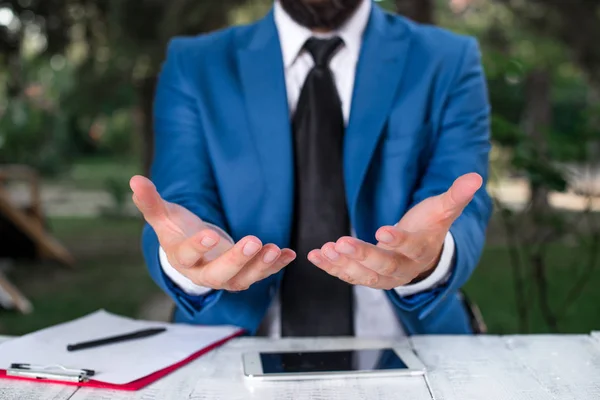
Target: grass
110 274
94 172
491 287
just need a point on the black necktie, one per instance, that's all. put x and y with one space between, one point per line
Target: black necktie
313 303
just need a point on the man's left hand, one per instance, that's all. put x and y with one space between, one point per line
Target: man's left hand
406 252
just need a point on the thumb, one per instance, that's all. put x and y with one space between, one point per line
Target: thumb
148 201
460 194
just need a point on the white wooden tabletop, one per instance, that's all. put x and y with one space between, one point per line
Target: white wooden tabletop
534 367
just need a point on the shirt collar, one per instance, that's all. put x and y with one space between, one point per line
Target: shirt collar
292 35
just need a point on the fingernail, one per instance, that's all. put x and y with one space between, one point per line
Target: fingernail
288 259
315 259
331 254
250 248
345 248
207 241
385 237
270 257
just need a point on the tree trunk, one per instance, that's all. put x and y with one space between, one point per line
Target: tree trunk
215 16
592 162
147 88
538 118
417 10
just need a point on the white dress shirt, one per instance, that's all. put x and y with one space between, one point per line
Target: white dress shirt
374 315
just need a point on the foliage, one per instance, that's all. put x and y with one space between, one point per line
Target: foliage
79 78
33 136
534 136
492 288
112 49
120 194
114 133
574 23
34 128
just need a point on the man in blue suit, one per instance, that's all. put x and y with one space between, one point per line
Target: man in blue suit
320 172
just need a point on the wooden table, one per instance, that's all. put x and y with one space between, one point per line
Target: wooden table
536 367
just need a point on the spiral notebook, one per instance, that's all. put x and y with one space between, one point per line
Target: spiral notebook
128 365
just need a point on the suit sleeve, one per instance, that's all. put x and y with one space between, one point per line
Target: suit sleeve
181 169
463 146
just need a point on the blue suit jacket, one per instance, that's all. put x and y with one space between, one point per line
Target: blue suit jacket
419 120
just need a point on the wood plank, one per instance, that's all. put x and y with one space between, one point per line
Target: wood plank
460 367
30 226
515 367
567 366
15 298
178 385
21 390
474 368
219 375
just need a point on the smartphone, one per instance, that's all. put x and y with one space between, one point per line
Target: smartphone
332 364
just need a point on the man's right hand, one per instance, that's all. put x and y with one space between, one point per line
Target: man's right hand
186 240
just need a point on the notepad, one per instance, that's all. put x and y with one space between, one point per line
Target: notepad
119 363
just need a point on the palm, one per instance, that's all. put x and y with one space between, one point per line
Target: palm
184 222
407 251
201 251
422 217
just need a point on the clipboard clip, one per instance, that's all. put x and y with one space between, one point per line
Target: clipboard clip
52 372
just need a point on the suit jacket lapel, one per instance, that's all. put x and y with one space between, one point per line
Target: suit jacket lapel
378 75
262 77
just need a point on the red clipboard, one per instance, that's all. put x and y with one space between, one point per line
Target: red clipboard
137 384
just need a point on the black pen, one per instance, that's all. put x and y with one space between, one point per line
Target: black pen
115 339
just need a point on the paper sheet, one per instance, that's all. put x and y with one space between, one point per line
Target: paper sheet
118 363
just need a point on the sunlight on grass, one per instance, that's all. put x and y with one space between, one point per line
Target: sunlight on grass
94 173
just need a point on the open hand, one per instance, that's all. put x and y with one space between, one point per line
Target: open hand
199 252
407 251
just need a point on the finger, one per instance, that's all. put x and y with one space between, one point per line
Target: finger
383 282
460 194
269 261
190 251
218 272
381 261
147 200
415 246
342 267
391 237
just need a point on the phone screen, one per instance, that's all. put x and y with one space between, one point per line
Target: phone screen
331 361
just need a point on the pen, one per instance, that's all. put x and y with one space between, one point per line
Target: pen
115 339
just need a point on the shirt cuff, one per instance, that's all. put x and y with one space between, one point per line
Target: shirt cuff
183 282
438 277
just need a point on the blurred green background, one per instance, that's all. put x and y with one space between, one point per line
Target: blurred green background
76 86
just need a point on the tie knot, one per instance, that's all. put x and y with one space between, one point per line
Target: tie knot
322 50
